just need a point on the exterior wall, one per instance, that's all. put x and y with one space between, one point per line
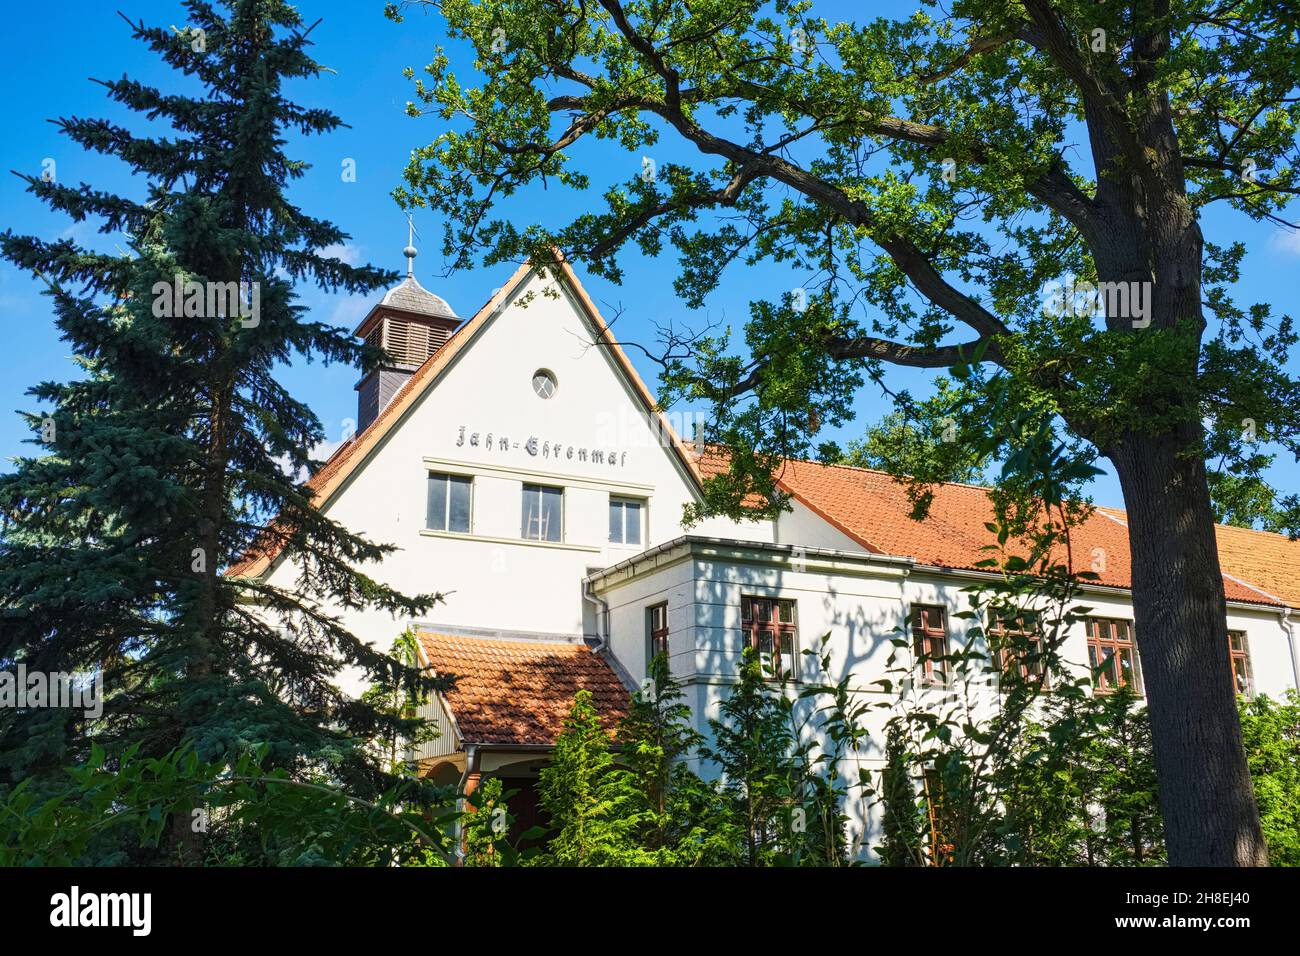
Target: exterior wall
628 626
445 740
861 603
802 526
490 577
857 610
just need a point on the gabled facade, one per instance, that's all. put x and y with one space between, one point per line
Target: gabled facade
523 470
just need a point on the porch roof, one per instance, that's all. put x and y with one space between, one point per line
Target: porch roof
518 692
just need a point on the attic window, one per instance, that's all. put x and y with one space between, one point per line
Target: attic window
544 383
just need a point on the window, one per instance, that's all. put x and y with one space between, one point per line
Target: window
770 628
1112 655
930 643
657 628
544 383
449 497
1017 645
625 521
543 513
1240 656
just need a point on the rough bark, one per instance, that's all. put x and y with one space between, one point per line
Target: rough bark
1206 797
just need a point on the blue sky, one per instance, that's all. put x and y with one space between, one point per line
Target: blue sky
48 63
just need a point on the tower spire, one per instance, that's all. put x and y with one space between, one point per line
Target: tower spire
410 251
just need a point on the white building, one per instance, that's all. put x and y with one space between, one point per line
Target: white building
520 465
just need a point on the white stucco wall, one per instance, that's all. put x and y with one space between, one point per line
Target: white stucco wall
491 577
802 526
861 603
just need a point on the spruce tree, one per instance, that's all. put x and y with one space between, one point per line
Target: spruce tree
1124 781
158 467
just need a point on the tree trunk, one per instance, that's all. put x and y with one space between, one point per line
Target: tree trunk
1206 798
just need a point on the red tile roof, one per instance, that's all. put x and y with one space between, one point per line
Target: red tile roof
519 692
711 461
1268 561
873 508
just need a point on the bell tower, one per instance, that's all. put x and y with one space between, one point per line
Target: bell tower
410 324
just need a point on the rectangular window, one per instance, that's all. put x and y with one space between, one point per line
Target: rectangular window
1240 655
930 642
543 518
1112 655
1016 642
625 520
449 502
771 629
657 629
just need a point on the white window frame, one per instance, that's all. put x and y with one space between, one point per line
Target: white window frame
623 501
446 501
539 488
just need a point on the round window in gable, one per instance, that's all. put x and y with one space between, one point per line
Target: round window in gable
544 383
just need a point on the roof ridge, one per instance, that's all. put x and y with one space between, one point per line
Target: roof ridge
1271 534
1109 511
489 639
886 474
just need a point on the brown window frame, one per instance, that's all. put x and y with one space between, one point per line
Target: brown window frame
1115 635
1029 670
930 643
1240 656
656 637
753 626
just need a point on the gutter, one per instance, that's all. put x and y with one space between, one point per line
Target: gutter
687 540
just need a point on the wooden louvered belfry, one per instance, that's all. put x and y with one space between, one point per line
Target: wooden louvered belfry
409 340
410 324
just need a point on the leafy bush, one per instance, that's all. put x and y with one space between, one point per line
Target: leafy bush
1271 730
110 810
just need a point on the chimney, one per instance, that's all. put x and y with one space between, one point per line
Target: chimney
410 323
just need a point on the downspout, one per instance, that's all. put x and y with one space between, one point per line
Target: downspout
470 755
602 614
471 761
1295 651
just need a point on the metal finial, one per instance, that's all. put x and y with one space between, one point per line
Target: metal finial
410 251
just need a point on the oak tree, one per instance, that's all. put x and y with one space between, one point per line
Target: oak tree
1012 187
